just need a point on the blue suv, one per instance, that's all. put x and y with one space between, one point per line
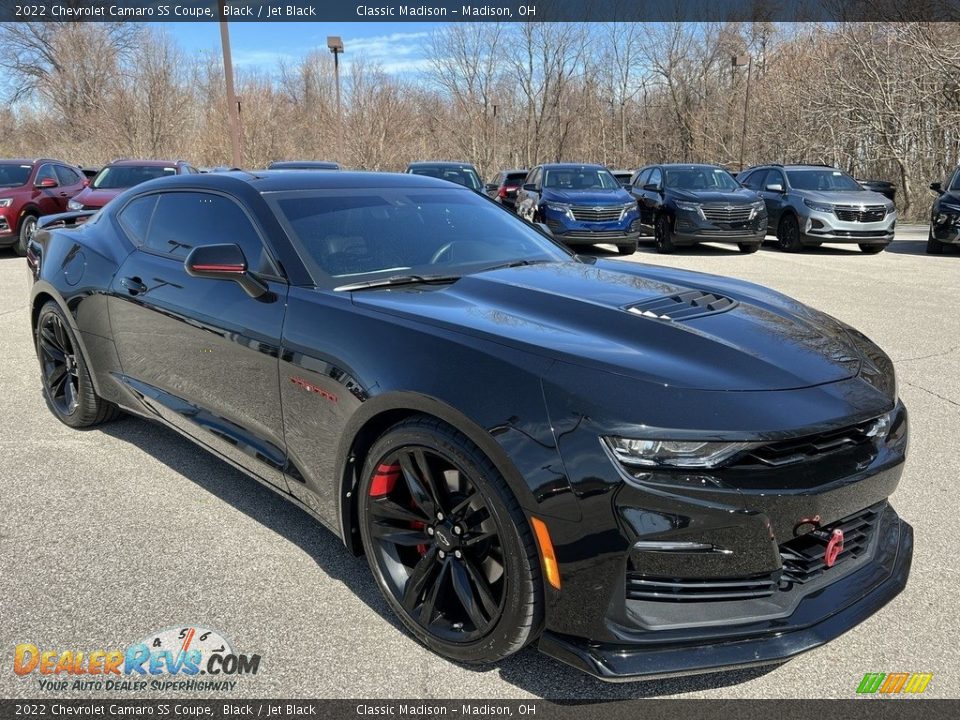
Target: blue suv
581 204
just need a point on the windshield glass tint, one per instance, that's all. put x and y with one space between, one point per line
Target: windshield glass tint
824 180
423 231
14 175
125 176
699 178
580 179
465 176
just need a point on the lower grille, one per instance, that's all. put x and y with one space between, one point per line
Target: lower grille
727 213
870 213
803 557
610 213
641 587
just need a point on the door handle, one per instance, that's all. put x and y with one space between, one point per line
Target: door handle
133 285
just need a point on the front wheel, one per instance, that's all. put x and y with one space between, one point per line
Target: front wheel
872 249
448 544
627 249
28 226
748 248
663 235
788 234
934 247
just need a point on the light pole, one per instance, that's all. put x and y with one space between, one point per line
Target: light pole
233 107
740 61
335 44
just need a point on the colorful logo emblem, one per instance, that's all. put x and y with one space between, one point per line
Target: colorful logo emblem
894 683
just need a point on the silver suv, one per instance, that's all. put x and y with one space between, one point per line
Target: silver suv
812 204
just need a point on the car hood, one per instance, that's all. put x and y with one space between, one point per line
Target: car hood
96 198
952 197
740 196
846 197
588 197
577 312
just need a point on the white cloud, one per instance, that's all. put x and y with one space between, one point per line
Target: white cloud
259 59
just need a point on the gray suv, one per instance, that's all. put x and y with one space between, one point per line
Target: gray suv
812 204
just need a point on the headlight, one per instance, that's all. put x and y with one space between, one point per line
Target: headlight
675 453
819 206
627 208
561 208
74 205
5 202
691 207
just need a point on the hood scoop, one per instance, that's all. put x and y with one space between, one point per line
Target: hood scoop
683 306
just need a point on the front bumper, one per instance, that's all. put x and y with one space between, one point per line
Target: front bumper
689 228
945 228
580 232
827 227
817 619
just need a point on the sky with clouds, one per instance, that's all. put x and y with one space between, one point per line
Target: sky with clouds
399 48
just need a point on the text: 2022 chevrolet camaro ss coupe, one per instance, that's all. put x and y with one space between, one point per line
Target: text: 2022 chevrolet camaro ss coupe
645 471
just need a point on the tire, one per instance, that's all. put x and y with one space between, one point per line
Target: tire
628 249
508 596
67 386
27 226
662 235
748 248
934 247
872 249
788 234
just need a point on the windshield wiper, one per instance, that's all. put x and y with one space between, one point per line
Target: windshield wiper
517 263
395 280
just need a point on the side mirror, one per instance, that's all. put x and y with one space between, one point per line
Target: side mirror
545 228
774 187
47 183
86 182
491 186
652 187
223 262
529 187
937 187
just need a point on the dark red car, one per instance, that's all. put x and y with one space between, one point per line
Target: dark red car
30 189
119 175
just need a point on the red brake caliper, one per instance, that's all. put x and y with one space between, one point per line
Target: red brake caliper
384 480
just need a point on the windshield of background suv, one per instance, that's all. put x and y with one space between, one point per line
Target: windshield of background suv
580 179
955 185
465 176
821 180
424 231
118 177
14 175
699 178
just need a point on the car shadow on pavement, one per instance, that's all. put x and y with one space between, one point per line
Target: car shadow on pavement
528 670
915 247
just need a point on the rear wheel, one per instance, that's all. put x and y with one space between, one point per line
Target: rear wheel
748 248
872 249
934 247
788 234
663 235
28 225
67 386
448 544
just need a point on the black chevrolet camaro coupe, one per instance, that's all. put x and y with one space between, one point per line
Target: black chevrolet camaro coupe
644 471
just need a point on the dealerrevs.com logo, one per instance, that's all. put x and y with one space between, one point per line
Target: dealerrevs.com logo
187 658
889 684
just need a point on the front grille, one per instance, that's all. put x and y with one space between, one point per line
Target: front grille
727 213
852 213
802 557
683 306
585 213
642 587
595 235
810 447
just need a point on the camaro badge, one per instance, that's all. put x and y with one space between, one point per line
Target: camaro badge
834 548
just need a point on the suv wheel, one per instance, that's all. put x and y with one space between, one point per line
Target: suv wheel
663 235
627 249
788 234
28 226
748 248
934 247
872 249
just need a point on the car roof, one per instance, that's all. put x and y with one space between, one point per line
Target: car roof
689 165
573 166
264 181
30 161
293 164
441 163
143 163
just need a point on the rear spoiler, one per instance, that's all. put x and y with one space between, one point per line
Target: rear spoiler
67 219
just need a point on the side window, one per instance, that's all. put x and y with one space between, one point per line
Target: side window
535 176
45 172
135 218
656 177
66 176
185 220
641 178
774 177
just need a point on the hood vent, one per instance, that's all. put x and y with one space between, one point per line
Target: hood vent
683 306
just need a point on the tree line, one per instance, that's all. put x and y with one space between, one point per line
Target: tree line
880 100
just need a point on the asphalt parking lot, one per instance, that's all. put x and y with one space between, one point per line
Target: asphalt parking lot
110 534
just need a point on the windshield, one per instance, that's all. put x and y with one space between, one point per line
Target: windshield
14 175
357 233
465 176
822 180
117 177
580 179
699 178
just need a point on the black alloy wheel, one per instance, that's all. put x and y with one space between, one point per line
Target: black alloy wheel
67 386
662 234
788 234
934 246
627 248
28 226
867 249
443 538
748 248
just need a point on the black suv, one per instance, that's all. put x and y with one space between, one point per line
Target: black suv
503 188
689 204
462 173
945 215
